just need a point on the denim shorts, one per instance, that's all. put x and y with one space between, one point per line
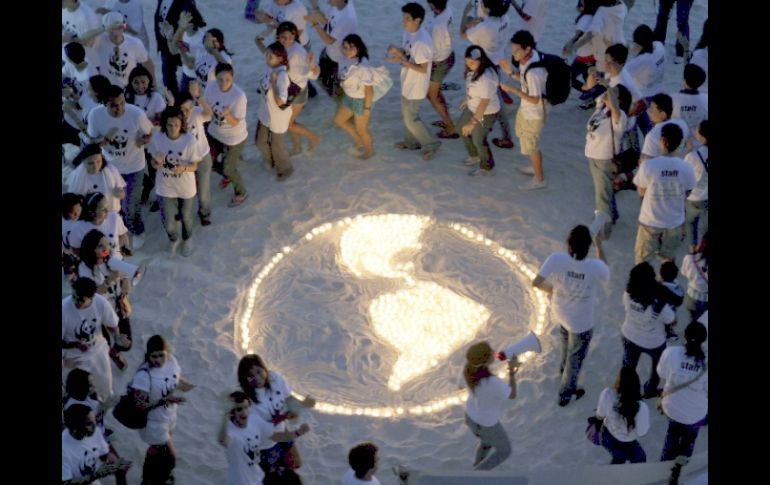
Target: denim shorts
356 105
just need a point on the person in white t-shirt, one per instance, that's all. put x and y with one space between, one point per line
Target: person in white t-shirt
94 174
96 214
117 52
165 22
695 267
356 78
84 314
443 61
363 460
153 388
71 207
274 111
75 73
243 435
584 57
415 56
682 24
625 418
532 16
190 43
644 326
337 21
213 53
271 401
77 19
660 109
276 12
606 29
133 15
480 108
573 281
685 395
700 55
646 68
664 183
697 208
227 130
195 117
530 117
85 453
122 131
483 409
690 104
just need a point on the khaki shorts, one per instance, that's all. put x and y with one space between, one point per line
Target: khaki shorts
528 132
652 240
439 70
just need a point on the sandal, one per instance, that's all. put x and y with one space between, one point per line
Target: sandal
429 153
402 145
439 123
237 200
445 135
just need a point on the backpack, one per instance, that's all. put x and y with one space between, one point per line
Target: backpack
557 82
382 82
127 412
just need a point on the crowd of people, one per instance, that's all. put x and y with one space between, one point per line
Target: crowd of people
142 144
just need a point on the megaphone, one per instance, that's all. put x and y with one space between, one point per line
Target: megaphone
136 273
529 343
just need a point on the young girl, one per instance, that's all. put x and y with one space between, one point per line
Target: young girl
480 108
94 174
273 111
357 80
96 214
195 117
189 39
625 418
175 155
205 61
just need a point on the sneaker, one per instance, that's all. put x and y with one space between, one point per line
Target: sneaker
155 207
205 220
579 392
564 400
534 184
137 241
471 161
503 143
445 135
480 172
172 247
186 248
237 200
526 169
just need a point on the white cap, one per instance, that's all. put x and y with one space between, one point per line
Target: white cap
113 20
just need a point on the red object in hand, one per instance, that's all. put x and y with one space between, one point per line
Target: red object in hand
500 355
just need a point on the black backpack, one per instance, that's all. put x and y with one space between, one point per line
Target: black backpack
294 91
557 82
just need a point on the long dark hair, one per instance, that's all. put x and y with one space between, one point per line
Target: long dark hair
90 204
172 112
88 247
220 36
642 285
277 49
244 366
485 64
356 41
694 336
88 151
139 70
589 8
627 386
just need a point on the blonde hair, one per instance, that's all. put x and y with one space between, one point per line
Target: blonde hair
476 359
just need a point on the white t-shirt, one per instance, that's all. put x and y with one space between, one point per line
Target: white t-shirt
194 45
117 61
418 47
667 179
164 382
113 227
341 24
575 284
651 146
616 424
196 129
438 27
132 13
695 159
700 57
205 66
105 181
533 84
243 451
536 9
704 319
599 143
647 70
268 111
583 23
66 229
355 76
477 9
485 87
182 151
271 403
99 275
626 79
349 478
643 326
77 23
692 108
80 458
152 105
123 152
235 99
484 405
299 69
607 29
79 83
84 325
294 12
492 35
697 277
690 404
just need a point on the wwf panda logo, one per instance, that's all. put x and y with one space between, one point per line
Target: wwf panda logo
218 118
87 467
250 448
87 329
277 402
119 62
202 71
168 385
70 28
172 159
120 140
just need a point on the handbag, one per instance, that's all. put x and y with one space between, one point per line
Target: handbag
128 413
625 163
382 82
659 401
594 430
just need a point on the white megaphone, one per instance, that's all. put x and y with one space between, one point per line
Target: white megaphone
529 343
130 270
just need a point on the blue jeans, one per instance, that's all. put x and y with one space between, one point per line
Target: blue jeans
177 212
574 345
680 439
131 205
490 437
682 21
631 354
415 130
622 451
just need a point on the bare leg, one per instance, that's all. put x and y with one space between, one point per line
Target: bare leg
537 165
362 129
342 119
438 101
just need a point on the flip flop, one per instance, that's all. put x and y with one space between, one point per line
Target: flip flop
237 200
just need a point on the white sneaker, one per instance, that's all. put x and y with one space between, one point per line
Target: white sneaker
534 184
137 241
186 248
480 172
526 169
172 247
471 161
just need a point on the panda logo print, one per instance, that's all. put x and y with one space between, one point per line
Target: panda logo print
168 385
85 333
218 118
87 467
69 28
250 448
118 143
118 64
172 160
